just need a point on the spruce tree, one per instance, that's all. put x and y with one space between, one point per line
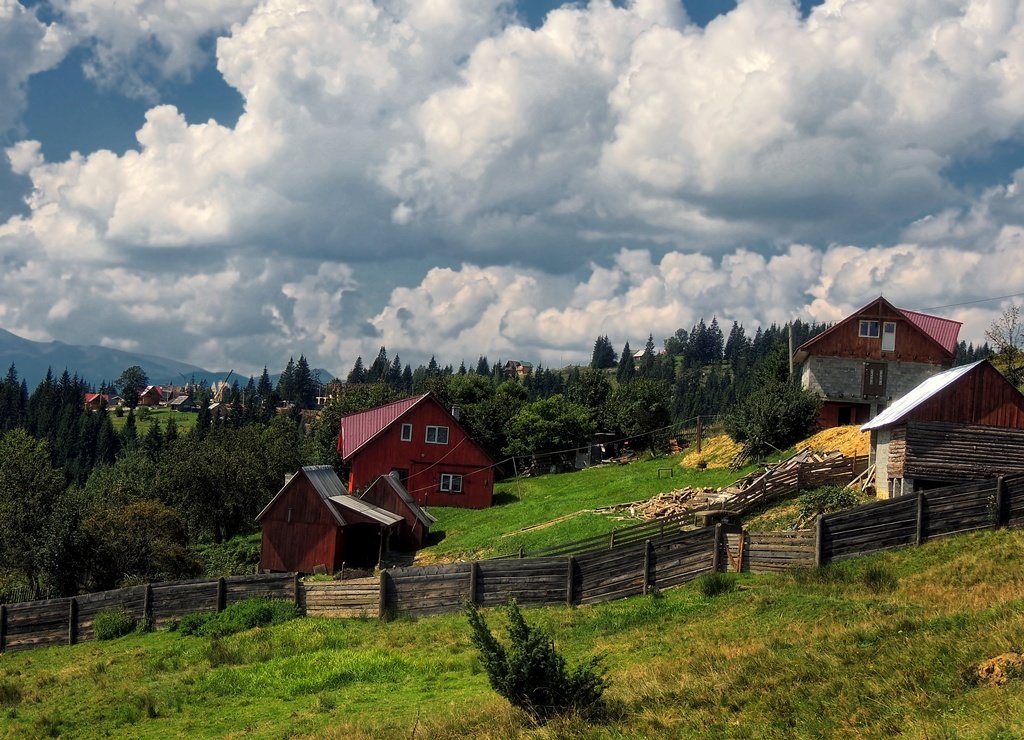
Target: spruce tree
357 374
626 369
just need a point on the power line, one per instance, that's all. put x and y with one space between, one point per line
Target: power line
979 300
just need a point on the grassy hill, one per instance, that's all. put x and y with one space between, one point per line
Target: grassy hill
550 506
874 647
185 420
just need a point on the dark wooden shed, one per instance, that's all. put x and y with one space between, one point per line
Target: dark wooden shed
388 493
313 522
964 424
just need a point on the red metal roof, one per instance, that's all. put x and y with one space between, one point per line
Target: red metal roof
943 331
358 429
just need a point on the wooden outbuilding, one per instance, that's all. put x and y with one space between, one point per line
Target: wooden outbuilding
387 492
964 424
314 523
417 438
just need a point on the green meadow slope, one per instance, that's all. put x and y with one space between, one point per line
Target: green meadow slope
872 647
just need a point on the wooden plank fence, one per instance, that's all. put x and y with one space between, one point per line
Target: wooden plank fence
599 575
69 620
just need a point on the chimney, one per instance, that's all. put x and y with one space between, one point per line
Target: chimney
288 477
456 412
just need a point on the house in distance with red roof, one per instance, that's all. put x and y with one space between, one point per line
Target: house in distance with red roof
873 357
420 440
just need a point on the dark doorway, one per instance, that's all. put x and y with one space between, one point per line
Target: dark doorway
362 545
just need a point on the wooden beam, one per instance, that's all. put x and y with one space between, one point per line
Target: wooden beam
647 565
474 574
819 545
716 558
569 578
72 621
382 597
1002 511
296 585
222 594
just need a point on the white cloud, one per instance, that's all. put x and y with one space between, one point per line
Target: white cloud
27 46
639 172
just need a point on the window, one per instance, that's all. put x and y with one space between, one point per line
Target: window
889 336
437 436
451 482
869 329
407 432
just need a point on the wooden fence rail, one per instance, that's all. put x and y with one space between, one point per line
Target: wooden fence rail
601 574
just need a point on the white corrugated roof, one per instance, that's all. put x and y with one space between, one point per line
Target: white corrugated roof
367 509
903 406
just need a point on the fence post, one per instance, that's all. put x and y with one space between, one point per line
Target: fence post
647 565
611 540
522 553
570 568
72 621
222 594
147 604
819 545
716 558
3 627
296 585
383 597
1002 511
920 536
474 569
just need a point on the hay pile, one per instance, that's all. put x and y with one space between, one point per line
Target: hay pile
999 670
848 440
716 452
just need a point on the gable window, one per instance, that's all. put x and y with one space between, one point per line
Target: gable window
869 329
407 432
437 435
889 336
451 482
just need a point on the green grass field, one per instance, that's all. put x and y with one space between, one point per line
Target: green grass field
825 653
184 419
527 502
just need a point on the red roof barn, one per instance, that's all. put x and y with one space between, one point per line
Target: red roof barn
313 521
417 438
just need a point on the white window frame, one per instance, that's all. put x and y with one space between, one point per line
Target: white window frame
435 433
406 433
889 330
866 325
451 483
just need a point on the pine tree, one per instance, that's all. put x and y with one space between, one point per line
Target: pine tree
626 369
357 374
153 442
304 385
129 434
285 384
604 355
265 398
647 358
395 373
171 433
482 368
379 368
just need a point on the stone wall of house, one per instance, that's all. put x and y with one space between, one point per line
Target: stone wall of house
837 378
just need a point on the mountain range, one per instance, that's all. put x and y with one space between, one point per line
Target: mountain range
96 364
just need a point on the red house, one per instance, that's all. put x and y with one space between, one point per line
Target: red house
388 493
313 522
873 357
420 440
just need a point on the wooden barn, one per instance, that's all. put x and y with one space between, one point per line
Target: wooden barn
964 424
420 441
387 492
314 523
873 357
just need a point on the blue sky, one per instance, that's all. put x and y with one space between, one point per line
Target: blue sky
477 177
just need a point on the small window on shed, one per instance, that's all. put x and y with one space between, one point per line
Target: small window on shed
407 432
869 329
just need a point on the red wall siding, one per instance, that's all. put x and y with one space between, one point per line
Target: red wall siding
912 344
424 461
983 397
411 533
828 417
312 538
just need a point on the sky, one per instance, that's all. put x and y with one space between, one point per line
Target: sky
233 182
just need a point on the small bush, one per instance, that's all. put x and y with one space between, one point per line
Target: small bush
716 584
240 616
110 624
877 578
532 675
826 500
192 624
10 694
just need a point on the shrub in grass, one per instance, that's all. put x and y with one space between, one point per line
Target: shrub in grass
878 578
716 584
532 675
240 616
826 500
10 694
110 624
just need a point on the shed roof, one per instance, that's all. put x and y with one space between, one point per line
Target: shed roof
926 390
358 429
320 477
379 515
391 479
